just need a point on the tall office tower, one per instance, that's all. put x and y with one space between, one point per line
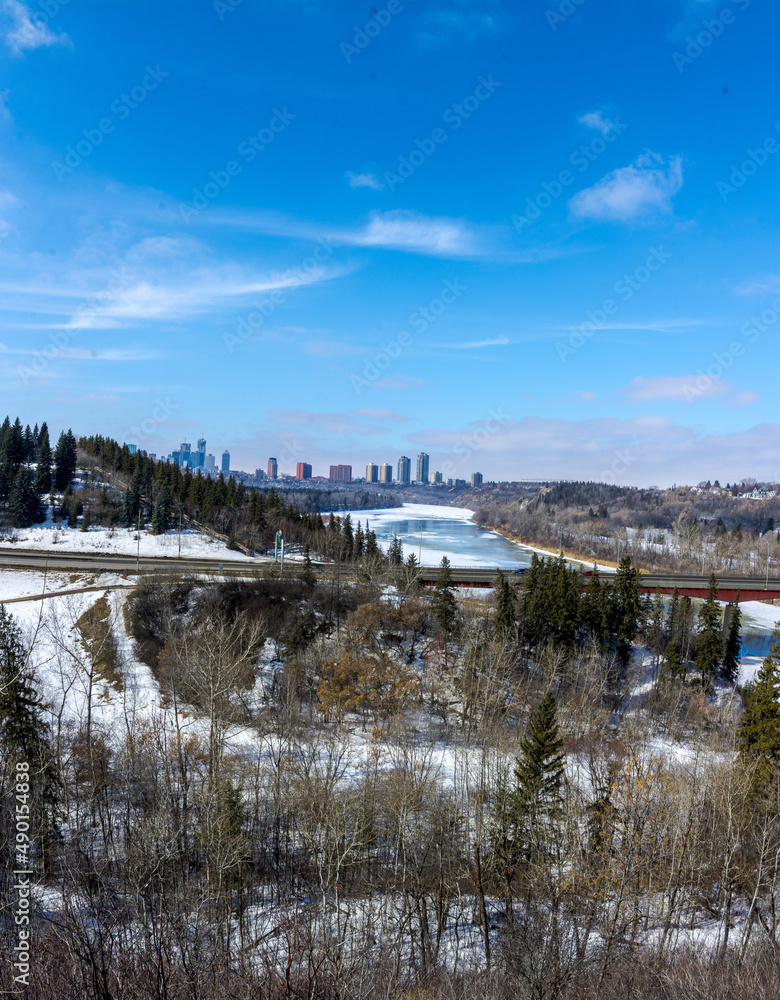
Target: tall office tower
476 478
184 454
385 473
226 461
210 463
341 473
422 468
273 469
404 470
303 470
199 458
132 448
259 473
372 473
436 479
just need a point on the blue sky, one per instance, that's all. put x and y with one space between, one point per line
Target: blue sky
534 242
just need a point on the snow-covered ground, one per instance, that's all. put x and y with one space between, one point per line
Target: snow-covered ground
117 541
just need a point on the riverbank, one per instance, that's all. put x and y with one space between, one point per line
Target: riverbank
605 566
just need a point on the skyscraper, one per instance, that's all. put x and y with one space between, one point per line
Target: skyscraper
436 479
404 470
372 473
303 470
422 468
226 461
273 469
184 454
341 473
385 473
476 478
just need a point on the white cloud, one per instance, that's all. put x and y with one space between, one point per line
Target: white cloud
595 119
364 181
686 389
25 31
404 230
648 184
381 415
470 345
442 26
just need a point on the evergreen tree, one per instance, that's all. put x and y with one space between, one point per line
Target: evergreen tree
24 503
733 651
395 555
537 797
505 618
86 520
132 503
65 461
594 609
308 574
43 480
674 668
347 539
24 736
759 731
709 640
627 607
162 513
443 603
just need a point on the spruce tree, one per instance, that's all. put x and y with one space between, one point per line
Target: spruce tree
627 607
65 461
505 618
132 503
709 640
163 509
443 603
732 653
539 768
759 731
43 478
24 503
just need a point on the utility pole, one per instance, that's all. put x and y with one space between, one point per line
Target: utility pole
138 549
180 533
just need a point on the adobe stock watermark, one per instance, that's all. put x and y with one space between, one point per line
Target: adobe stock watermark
362 37
581 158
22 873
624 289
420 319
705 379
222 7
59 340
710 30
754 160
121 107
470 444
248 149
623 461
454 117
562 13
264 308
140 433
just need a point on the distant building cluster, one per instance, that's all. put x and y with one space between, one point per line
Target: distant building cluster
187 457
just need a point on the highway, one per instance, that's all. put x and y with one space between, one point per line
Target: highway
751 588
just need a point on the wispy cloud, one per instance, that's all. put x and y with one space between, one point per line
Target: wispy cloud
327 423
471 344
686 389
767 285
380 414
23 32
648 184
597 120
404 230
364 181
440 26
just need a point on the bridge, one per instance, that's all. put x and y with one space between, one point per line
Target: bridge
751 588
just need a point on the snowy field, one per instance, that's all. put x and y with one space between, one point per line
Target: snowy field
116 541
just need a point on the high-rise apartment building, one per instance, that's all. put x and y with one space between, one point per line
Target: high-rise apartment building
476 478
199 456
273 469
372 473
341 473
385 473
226 461
422 468
210 463
303 470
404 470
184 454
436 479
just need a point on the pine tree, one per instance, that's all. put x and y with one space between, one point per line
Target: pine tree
505 618
443 603
132 503
626 607
709 640
537 797
43 478
24 503
733 651
163 509
674 668
308 574
65 460
759 731
24 735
